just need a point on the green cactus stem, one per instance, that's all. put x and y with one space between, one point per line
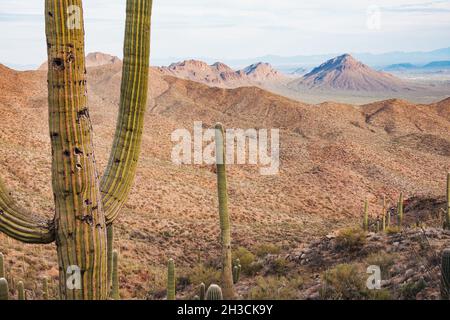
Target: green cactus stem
202 289
445 275
447 216
84 205
171 280
110 242
227 269
366 216
383 223
237 271
45 295
4 290
21 291
214 293
121 170
400 210
2 266
115 276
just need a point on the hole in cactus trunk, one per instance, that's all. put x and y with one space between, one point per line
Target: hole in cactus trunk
58 64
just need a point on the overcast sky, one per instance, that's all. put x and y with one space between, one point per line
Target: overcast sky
240 28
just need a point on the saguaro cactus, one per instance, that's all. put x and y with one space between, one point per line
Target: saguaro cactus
84 204
447 216
171 280
115 276
110 242
445 275
45 294
2 266
21 291
227 269
400 210
202 289
366 216
214 293
4 290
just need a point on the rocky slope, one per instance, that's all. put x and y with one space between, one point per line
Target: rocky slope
332 157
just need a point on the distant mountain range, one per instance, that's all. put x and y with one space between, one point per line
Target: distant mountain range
432 66
289 64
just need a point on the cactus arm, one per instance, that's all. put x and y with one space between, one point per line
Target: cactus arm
118 178
17 223
227 269
4 290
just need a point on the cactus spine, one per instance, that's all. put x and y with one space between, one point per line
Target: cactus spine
447 216
4 290
227 269
400 210
115 276
171 280
21 291
366 216
2 266
84 205
214 293
445 275
202 290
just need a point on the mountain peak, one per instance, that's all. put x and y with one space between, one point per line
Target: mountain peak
346 73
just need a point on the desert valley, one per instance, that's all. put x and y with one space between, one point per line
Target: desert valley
334 155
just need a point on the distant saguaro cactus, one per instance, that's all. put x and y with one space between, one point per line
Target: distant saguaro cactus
4 290
45 294
227 268
202 289
115 276
171 280
445 275
21 291
84 203
214 293
2 266
366 216
447 216
400 210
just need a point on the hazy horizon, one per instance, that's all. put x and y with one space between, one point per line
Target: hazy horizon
241 29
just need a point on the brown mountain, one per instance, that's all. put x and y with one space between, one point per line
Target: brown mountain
93 59
332 157
346 73
221 75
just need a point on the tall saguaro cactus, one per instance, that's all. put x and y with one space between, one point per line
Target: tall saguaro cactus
171 280
400 210
227 268
366 216
84 203
447 216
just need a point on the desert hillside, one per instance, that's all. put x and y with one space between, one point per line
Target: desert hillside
332 157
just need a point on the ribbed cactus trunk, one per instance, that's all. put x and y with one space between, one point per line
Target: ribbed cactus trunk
79 217
227 269
445 274
171 282
82 212
447 216
366 216
400 210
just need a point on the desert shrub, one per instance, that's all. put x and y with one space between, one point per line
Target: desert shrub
265 249
276 288
382 294
247 260
382 259
350 239
344 282
410 290
393 230
202 273
279 266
